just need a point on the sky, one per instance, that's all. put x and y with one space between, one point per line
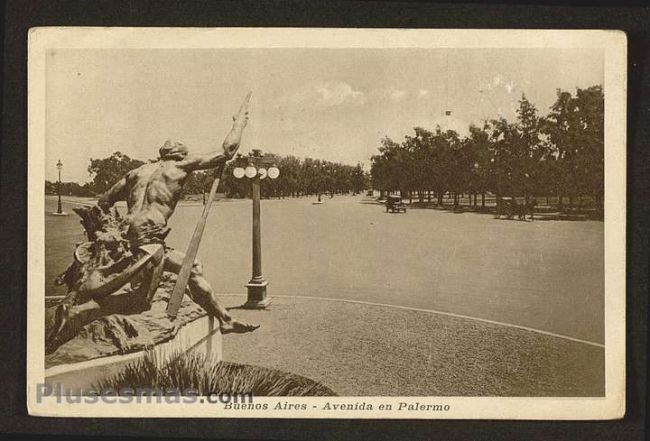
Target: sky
332 104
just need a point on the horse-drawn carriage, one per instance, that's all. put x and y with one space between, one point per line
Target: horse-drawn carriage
509 207
394 204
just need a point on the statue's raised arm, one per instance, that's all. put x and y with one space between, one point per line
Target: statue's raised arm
230 143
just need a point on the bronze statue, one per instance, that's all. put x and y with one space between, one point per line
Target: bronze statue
132 249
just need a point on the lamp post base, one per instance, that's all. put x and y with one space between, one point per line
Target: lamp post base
257 298
56 213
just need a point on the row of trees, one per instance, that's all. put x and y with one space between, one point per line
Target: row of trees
560 154
68 188
297 178
302 177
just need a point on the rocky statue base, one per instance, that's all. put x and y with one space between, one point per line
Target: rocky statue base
106 345
115 308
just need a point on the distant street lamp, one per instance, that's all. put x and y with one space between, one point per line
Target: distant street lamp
59 209
320 172
256 167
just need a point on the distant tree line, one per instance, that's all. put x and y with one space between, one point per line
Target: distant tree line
297 178
301 178
69 189
560 154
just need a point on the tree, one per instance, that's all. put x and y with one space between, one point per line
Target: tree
419 151
289 181
197 182
358 179
458 162
535 149
478 144
575 127
390 169
561 154
517 150
107 171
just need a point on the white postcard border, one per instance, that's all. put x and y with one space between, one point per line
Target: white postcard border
614 43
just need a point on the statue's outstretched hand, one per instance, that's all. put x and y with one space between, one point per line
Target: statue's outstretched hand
239 119
231 143
242 116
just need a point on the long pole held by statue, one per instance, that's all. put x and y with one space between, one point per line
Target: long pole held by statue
186 269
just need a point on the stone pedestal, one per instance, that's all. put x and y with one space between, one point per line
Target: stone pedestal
106 345
202 335
257 298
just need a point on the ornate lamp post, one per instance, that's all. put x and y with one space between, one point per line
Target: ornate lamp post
256 167
59 209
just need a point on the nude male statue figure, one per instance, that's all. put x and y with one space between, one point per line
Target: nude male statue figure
152 192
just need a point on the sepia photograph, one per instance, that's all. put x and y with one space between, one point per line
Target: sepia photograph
326 223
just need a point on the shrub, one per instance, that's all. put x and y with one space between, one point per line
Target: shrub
205 375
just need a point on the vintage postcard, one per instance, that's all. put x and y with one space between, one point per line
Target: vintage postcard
326 223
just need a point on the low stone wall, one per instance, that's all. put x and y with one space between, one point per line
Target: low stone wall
201 335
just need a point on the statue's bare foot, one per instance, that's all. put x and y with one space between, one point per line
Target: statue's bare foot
237 327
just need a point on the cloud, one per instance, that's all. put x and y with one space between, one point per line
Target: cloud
329 94
498 83
397 94
389 94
